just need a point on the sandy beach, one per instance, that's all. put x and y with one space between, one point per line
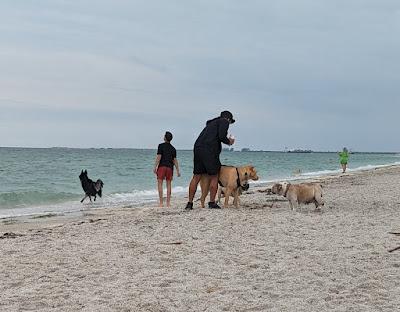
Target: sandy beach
256 258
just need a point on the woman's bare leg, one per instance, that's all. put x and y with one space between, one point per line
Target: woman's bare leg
169 190
160 191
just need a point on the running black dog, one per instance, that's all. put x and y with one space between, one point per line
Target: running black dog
90 188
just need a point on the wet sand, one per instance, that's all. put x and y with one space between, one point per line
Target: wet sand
255 258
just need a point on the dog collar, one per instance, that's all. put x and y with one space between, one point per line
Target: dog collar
287 189
245 186
238 178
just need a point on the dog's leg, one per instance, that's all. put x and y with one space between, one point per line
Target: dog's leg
297 205
94 197
83 198
90 198
318 200
236 198
228 193
203 198
292 201
317 205
219 194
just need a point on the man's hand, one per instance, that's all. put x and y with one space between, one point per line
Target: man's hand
178 174
231 141
155 170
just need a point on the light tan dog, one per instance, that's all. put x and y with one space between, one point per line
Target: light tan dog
305 193
232 179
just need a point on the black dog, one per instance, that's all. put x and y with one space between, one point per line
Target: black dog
91 188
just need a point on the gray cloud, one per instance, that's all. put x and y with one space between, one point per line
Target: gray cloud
310 74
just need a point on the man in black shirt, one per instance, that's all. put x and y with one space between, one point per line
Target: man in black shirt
164 167
207 149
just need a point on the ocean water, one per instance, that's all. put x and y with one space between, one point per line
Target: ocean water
40 181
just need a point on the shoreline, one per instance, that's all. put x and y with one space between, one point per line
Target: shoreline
255 186
37 221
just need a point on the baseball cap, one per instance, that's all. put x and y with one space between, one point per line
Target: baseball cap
228 115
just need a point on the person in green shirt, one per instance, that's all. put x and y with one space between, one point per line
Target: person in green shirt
344 158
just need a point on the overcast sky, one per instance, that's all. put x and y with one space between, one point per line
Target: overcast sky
297 74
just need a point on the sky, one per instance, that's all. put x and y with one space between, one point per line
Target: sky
306 74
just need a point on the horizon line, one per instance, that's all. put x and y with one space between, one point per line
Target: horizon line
190 149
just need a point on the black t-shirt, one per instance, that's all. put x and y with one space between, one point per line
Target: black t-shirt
168 154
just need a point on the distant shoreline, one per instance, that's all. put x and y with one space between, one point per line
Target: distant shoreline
190 149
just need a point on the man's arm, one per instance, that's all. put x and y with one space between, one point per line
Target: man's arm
223 131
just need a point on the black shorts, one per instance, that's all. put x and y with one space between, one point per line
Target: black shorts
206 162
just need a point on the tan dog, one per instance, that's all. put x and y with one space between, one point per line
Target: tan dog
231 178
305 193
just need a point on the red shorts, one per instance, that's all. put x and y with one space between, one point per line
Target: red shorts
165 173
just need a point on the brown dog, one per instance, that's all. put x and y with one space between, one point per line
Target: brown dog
232 179
305 193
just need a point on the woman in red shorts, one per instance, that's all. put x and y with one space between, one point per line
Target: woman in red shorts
164 167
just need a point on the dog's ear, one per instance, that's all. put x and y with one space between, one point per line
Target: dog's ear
81 171
85 171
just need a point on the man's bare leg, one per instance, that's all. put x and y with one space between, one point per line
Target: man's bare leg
192 190
193 186
213 187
